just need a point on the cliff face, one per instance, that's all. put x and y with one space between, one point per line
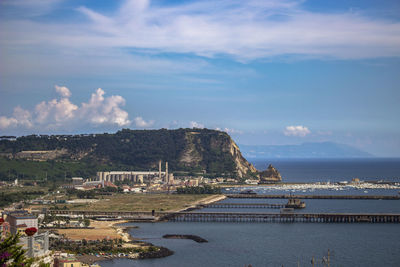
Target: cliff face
184 149
242 165
214 151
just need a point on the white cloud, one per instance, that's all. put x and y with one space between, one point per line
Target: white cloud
245 30
62 113
55 111
63 91
20 117
229 130
140 122
299 130
194 124
100 110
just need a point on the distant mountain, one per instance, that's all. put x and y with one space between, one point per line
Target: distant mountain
305 150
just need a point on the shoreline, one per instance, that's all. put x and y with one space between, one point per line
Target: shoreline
123 232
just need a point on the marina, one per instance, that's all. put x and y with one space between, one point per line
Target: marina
287 196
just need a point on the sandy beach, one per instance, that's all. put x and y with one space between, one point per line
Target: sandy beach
102 230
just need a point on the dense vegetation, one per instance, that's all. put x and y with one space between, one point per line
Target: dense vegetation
95 193
206 189
11 252
9 197
126 149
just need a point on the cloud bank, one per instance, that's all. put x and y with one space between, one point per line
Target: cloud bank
60 113
244 30
140 122
300 131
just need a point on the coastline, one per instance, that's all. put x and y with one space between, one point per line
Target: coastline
117 229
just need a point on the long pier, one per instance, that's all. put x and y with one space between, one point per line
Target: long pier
245 205
237 216
286 196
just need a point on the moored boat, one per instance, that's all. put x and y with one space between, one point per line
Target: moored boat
295 203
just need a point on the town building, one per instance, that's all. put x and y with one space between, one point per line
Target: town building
67 262
19 220
4 228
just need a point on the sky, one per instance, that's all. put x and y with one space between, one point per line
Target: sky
267 72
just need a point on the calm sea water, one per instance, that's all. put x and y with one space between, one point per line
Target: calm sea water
334 170
289 244
272 244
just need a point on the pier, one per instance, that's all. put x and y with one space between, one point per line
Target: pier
237 216
285 217
286 196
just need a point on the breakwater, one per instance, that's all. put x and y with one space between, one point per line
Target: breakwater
287 196
195 238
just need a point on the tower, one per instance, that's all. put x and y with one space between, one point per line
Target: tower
159 170
166 171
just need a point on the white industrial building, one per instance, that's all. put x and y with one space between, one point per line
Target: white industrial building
136 176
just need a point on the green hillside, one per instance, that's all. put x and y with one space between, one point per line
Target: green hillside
197 150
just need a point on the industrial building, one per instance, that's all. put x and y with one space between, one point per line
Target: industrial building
137 176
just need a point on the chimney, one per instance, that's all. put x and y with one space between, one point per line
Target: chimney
166 172
159 169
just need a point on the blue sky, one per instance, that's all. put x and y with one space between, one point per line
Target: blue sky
267 72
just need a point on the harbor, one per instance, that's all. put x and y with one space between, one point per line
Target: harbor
286 196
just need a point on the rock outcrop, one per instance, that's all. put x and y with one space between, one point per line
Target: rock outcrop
270 175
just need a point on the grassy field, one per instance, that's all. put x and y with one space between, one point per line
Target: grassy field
138 202
143 202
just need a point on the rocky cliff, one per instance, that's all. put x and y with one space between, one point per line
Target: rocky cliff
199 150
270 175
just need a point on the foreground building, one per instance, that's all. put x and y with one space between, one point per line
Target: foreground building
19 220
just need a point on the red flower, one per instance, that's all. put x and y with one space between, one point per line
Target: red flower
1 221
30 231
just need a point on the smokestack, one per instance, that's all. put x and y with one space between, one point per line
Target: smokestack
159 169
166 172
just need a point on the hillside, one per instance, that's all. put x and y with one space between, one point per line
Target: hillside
306 150
185 150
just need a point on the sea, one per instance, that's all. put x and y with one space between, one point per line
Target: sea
290 244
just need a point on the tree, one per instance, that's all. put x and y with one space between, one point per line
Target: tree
11 254
86 222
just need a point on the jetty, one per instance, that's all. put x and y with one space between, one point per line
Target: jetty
292 203
236 216
285 217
